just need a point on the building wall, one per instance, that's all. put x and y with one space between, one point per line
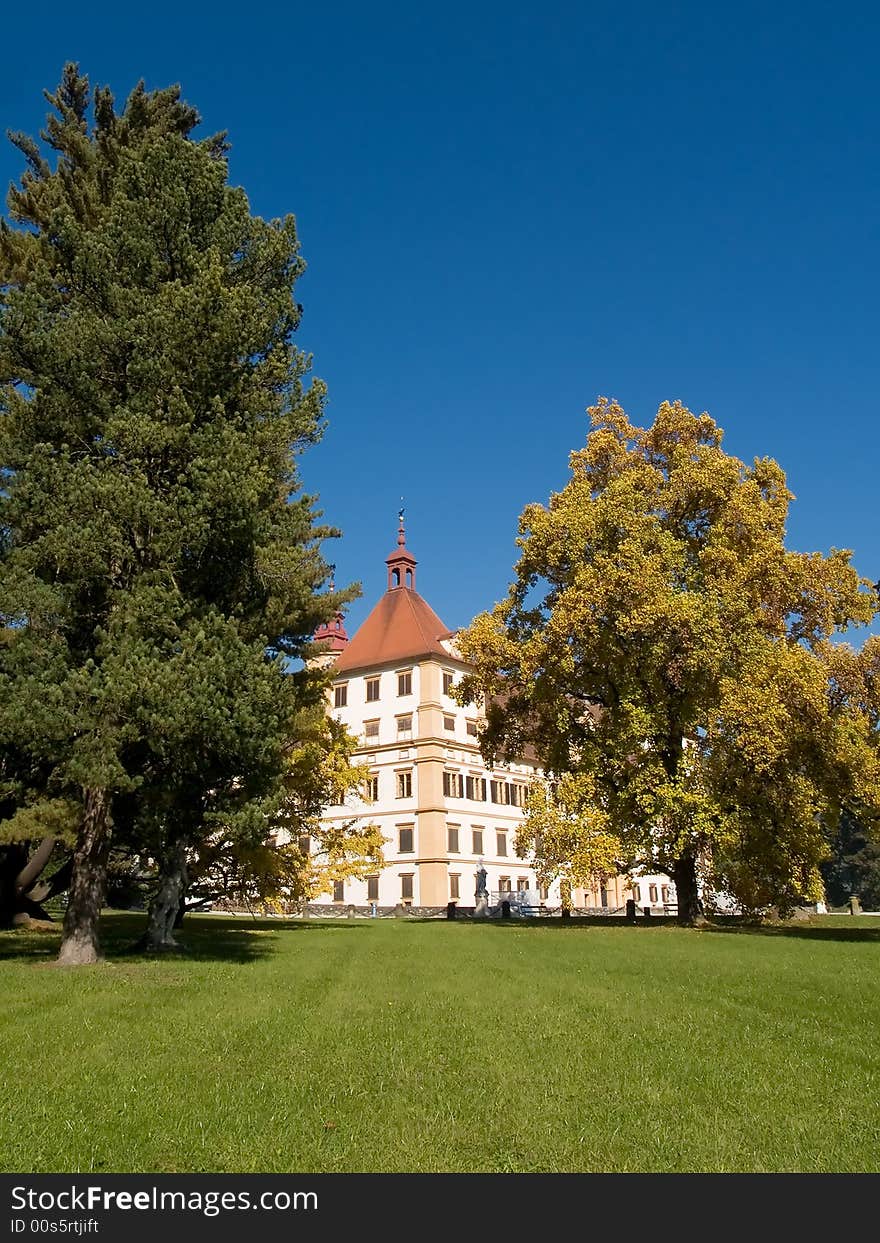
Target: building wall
439 742
442 739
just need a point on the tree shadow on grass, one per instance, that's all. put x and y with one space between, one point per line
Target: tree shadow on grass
25 944
222 940
580 922
802 932
726 925
202 938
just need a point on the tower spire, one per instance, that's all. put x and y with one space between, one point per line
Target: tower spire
331 633
401 563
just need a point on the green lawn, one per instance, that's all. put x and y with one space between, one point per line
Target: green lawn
375 1045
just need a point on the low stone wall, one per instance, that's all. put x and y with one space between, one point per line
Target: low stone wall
345 910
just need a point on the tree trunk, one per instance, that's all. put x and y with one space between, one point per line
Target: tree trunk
57 883
165 906
80 943
22 893
35 865
13 857
685 876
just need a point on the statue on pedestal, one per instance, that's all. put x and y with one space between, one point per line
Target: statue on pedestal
481 895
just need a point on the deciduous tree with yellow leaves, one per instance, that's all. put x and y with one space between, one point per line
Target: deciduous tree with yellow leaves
567 834
661 642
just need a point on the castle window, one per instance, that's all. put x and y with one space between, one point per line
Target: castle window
340 695
448 679
371 729
404 682
501 842
449 724
404 841
339 891
478 841
404 784
372 888
453 785
372 690
652 893
454 887
476 789
404 727
504 884
499 792
406 886
472 729
452 838
522 884
371 788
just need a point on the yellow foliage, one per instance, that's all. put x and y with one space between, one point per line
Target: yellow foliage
566 832
661 642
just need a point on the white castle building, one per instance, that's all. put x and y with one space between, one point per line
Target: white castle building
443 813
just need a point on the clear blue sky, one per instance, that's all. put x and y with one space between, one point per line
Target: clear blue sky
509 209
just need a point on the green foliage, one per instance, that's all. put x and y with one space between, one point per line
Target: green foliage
278 853
128 883
660 640
160 564
55 817
853 866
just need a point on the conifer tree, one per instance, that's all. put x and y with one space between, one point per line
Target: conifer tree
853 866
160 565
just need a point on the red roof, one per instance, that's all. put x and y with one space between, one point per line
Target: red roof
402 626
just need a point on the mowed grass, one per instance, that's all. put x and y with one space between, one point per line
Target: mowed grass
375 1045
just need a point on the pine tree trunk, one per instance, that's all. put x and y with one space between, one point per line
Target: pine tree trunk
165 906
35 865
13 858
685 876
80 943
22 893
